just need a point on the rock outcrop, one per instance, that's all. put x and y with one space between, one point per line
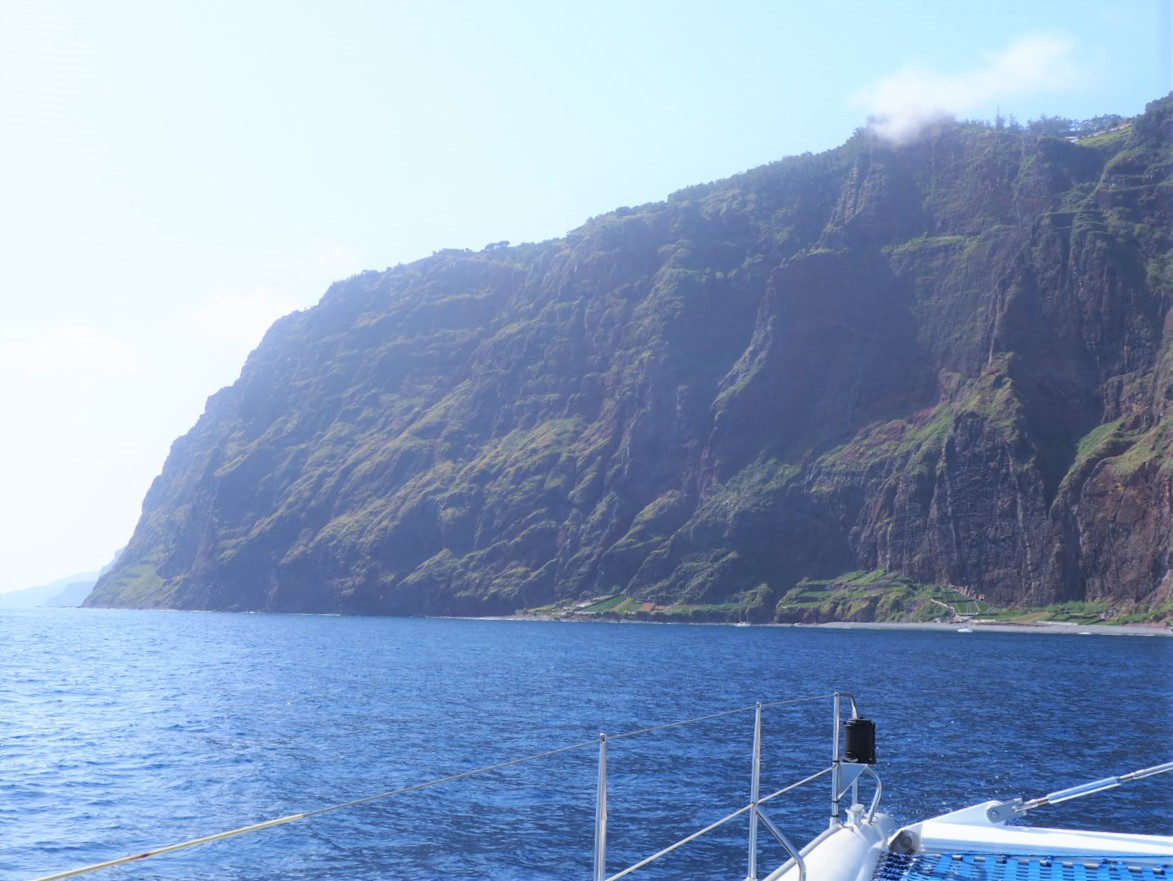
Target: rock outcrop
952 360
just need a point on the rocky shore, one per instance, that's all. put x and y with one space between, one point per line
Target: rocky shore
1068 629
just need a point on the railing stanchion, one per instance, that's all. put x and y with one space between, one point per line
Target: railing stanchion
601 812
835 767
755 782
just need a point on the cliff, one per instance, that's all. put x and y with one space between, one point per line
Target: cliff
950 360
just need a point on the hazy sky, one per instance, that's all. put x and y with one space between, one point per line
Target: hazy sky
175 175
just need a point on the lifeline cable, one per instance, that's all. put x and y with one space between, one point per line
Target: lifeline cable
305 815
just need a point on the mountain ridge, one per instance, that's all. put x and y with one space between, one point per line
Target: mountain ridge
949 360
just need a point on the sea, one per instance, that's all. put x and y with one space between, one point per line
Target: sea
124 731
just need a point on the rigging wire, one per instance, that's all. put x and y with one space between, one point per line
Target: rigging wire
358 802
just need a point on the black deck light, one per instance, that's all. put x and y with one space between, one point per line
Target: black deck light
860 742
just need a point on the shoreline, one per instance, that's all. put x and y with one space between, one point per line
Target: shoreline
962 625
1056 627
1049 627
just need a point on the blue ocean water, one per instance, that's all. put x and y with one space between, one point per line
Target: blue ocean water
121 731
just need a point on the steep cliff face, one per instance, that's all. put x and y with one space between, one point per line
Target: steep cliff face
951 360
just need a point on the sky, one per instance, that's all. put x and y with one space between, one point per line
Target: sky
176 174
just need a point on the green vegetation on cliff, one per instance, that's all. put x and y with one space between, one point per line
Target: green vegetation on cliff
949 361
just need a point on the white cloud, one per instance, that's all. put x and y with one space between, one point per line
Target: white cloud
68 348
241 318
901 104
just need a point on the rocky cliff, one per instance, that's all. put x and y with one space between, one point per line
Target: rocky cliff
951 360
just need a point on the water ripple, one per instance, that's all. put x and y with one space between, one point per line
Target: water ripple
121 731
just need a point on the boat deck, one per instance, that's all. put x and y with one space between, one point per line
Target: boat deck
996 867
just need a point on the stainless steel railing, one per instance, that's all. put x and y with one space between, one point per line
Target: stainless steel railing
844 776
